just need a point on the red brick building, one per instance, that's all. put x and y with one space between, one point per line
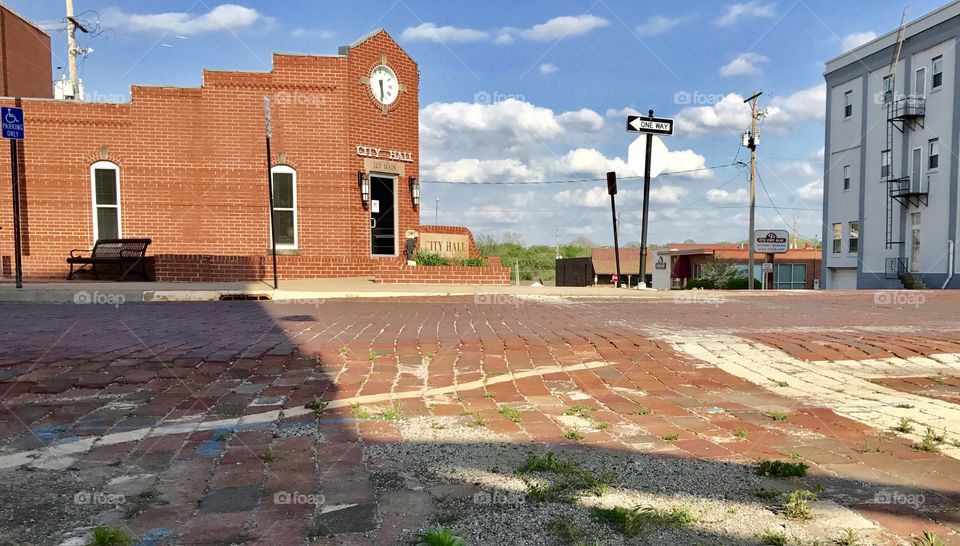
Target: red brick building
186 167
25 65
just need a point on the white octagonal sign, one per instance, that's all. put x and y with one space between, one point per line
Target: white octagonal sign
637 152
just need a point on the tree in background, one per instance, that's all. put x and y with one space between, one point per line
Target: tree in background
535 262
719 272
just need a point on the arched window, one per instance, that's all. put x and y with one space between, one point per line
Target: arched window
105 188
285 206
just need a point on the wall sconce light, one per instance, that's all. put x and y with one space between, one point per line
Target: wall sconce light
415 191
364 182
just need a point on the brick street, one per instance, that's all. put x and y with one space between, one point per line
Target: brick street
199 423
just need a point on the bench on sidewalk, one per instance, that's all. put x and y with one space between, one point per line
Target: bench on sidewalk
128 254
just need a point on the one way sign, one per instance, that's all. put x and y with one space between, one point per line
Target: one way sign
653 126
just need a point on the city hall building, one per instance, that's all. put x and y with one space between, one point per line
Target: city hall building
891 170
187 169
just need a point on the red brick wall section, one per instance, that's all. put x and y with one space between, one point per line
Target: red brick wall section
25 65
192 168
492 274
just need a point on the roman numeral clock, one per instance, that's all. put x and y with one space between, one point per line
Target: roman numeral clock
384 85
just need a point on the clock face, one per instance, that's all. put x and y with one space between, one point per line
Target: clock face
384 85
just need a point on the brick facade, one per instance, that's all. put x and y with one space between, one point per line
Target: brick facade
25 64
192 165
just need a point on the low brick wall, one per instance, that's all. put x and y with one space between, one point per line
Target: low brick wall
493 274
212 268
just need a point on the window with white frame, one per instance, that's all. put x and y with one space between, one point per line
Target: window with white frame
285 206
937 79
848 104
885 158
854 241
837 237
105 188
933 157
846 177
920 87
888 88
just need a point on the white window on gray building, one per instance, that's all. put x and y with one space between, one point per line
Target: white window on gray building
888 88
854 241
848 104
846 177
937 80
885 163
837 238
920 87
933 156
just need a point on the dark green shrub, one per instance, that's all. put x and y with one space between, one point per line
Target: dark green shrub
473 262
740 283
430 258
705 284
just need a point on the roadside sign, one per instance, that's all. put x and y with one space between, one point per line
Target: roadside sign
770 241
649 125
767 267
12 119
660 264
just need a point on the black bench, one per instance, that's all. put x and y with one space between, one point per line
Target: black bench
126 253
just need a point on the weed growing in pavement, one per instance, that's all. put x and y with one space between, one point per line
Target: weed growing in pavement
783 384
644 410
929 442
439 536
848 538
601 426
672 437
955 442
489 395
868 448
767 494
569 479
565 531
938 437
393 413
271 454
574 434
510 413
360 412
903 406
740 433
904 426
781 469
928 539
797 505
477 419
938 379
438 426
579 411
794 454
773 538
638 520
141 502
318 406
778 415
110 536
344 351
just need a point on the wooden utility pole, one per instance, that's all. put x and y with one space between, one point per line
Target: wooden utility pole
72 51
752 140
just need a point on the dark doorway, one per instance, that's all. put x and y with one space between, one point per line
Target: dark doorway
383 230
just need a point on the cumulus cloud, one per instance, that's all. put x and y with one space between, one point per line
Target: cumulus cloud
548 68
731 114
743 64
597 196
622 112
735 12
857 39
812 191
220 18
659 24
430 32
306 33
727 197
564 27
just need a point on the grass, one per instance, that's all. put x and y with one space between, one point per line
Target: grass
955 442
271 454
439 536
797 505
570 480
510 413
601 426
640 519
928 539
489 395
141 502
672 437
476 420
565 531
740 433
781 469
929 442
904 426
793 454
848 538
110 536
372 355
773 538
344 351
574 434
644 410
360 412
778 415
438 426
767 494
903 406
783 384
318 406
878 448
393 413
579 411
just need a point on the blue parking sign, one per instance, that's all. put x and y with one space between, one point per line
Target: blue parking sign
12 120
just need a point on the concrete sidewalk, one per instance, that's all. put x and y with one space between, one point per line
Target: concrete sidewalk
293 290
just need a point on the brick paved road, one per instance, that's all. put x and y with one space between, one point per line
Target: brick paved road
181 423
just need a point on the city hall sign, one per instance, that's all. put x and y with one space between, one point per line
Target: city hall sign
371 152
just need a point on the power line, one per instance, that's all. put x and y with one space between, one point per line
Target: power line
576 181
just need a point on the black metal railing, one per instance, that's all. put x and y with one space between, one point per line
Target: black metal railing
909 107
905 186
896 267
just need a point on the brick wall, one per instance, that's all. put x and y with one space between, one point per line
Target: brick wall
492 274
26 68
193 168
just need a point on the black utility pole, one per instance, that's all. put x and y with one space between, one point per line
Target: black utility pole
273 229
646 207
14 160
612 190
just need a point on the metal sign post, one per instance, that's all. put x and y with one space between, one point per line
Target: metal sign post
650 126
273 229
612 190
12 122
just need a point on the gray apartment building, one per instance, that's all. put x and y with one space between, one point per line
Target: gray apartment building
891 159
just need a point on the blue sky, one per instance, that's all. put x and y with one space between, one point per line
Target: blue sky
537 91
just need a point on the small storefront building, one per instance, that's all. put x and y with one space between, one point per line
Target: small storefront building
674 267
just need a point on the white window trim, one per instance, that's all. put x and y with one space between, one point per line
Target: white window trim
284 169
933 144
847 95
923 79
103 166
933 71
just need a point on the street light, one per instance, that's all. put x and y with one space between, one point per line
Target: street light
364 181
415 191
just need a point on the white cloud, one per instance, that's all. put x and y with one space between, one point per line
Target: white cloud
804 105
548 68
504 39
742 64
317 34
564 27
857 39
734 12
222 17
812 191
622 112
477 170
732 115
429 32
667 194
726 197
658 24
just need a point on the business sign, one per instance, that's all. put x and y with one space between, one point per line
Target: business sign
660 264
12 119
771 241
448 245
653 126
767 267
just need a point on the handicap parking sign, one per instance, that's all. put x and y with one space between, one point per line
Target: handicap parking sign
12 121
